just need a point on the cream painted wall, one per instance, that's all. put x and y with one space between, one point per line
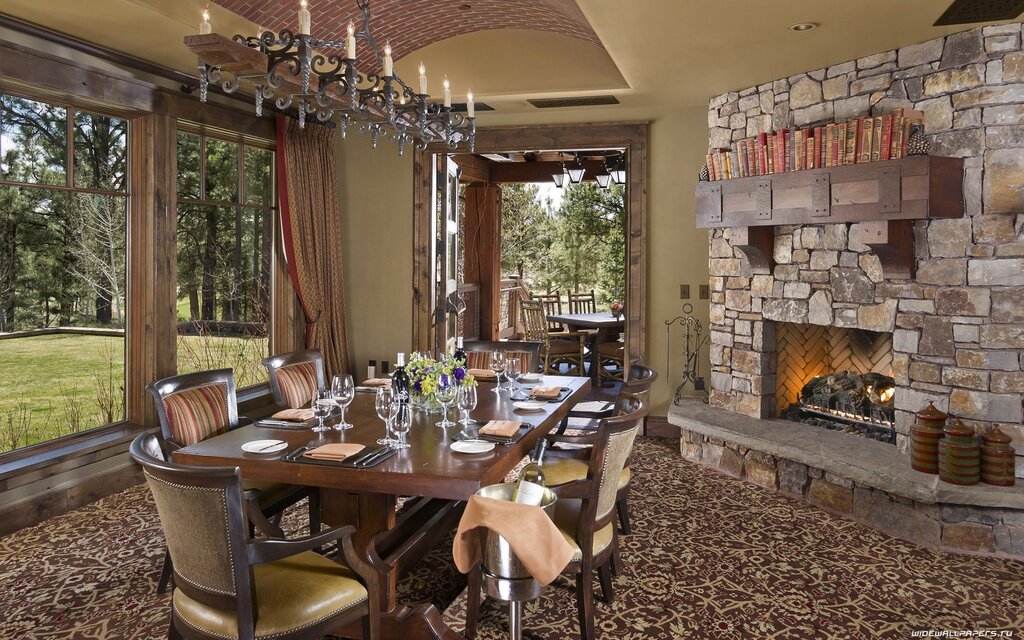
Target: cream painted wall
376 202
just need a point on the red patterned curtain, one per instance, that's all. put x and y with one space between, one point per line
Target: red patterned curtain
311 224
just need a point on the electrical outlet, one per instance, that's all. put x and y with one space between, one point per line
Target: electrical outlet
684 292
705 292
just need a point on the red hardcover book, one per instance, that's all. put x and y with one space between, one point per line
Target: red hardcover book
780 151
885 146
762 158
819 148
751 156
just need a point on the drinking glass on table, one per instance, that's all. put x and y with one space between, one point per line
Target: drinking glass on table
446 395
343 390
322 405
498 361
387 405
401 423
513 369
467 402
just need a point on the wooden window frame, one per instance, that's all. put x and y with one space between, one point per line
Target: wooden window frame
631 136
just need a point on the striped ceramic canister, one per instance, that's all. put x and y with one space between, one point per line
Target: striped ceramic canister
997 459
924 439
959 455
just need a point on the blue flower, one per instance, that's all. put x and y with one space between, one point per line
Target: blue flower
460 373
445 380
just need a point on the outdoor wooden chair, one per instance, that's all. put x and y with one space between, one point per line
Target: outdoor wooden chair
295 376
552 306
557 348
583 302
230 585
585 510
192 407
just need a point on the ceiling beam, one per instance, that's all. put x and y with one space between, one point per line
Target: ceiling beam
539 171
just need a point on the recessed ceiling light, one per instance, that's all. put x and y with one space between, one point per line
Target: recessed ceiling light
803 26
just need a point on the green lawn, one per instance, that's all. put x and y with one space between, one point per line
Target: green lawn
53 385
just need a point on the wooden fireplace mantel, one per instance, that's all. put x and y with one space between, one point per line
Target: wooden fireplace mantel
885 196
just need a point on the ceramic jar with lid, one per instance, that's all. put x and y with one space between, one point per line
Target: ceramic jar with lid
997 459
924 439
959 455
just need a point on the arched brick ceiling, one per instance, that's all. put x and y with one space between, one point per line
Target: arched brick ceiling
413 24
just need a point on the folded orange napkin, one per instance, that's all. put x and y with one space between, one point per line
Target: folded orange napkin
377 382
501 428
547 393
531 534
336 451
297 415
482 374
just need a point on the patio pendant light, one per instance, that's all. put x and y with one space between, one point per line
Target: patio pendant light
559 177
576 171
604 180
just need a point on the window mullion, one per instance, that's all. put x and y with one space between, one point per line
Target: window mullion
69 147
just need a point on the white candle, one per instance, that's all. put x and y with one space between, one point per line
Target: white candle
304 19
423 79
388 63
205 28
447 93
470 107
350 42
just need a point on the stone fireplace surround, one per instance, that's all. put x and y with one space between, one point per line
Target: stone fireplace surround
957 327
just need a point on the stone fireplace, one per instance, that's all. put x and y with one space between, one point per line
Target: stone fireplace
936 301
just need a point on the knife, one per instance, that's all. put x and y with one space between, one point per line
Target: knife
366 455
375 457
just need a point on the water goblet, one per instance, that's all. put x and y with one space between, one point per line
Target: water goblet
343 390
401 423
513 369
386 404
467 402
498 361
322 405
445 396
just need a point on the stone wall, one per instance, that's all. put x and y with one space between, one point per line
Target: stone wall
958 327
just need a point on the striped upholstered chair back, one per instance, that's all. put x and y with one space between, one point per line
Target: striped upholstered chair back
478 353
195 406
295 376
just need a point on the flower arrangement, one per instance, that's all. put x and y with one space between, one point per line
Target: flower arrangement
616 308
427 375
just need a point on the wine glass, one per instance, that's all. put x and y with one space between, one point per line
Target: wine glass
322 404
343 390
498 361
467 402
513 369
387 405
445 395
401 423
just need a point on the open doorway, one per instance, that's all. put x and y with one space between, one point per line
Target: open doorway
514 158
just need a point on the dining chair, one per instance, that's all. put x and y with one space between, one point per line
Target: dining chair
583 302
611 354
557 348
231 585
478 353
585 509
295 376
552 306
192 407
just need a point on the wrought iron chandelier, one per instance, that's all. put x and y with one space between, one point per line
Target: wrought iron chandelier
322 79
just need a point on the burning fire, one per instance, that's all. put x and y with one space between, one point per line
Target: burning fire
886 394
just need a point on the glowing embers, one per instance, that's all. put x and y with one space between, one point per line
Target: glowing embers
848 401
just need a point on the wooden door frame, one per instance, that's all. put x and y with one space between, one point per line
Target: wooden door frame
631 136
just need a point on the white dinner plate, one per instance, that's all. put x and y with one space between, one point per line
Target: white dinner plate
264 446
530 405
531 377
472 446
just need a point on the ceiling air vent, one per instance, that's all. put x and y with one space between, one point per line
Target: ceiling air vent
968 11
582 101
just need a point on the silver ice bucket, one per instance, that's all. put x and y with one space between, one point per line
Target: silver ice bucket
498 559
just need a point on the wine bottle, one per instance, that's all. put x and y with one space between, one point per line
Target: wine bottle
384 368
371 370
400 380
460 353
530 486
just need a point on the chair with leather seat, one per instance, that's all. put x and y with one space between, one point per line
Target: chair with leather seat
192 407
230 585
478 353
294 376
562 467
585 509
566 347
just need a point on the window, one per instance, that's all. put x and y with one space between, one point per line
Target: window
63 306
226 206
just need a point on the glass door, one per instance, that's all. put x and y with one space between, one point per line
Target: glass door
447 301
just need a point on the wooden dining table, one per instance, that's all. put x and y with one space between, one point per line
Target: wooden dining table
438 479
608 328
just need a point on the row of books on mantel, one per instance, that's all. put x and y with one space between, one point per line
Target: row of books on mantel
866 139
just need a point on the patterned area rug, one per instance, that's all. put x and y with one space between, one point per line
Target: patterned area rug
710 557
